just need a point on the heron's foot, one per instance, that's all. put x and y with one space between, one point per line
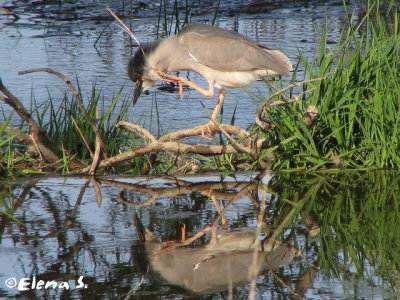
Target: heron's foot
166 77
182 81
169 78
205 129
168 245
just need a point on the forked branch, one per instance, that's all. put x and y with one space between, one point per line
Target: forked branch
99 145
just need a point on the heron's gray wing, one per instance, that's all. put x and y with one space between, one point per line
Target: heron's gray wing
226 50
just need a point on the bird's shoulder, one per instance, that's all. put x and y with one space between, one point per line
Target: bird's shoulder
218 48
226 50
203 32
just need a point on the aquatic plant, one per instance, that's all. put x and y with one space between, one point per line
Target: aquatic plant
358 124
8 157
174 15
355 216
353 89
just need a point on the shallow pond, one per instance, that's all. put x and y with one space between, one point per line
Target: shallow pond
78 39
206 237
212 236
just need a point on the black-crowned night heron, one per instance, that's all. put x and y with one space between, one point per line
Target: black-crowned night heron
224 58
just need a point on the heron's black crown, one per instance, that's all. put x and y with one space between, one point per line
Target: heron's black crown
137 63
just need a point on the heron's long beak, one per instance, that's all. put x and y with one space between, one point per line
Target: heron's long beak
138 90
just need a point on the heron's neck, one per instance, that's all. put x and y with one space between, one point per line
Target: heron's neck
169 56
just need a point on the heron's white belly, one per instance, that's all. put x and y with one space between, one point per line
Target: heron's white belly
237 79
228 79
234 79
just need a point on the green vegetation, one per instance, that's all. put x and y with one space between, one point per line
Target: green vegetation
8 158
67 127
357 96
76 135
358 102
357 214
347 224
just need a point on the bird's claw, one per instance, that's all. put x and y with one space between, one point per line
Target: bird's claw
169 78
205 129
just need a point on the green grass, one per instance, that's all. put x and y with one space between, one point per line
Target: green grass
65 124
69 128
359 109
358 125
8 157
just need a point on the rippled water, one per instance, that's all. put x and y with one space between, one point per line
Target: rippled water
333 237
62 37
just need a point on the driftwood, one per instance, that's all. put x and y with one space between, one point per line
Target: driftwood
239 140
168 143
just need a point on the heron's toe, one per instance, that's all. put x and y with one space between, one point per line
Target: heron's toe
203 130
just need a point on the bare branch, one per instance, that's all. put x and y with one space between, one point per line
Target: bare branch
241 148
137 130
32 140
176 147
99 139
34 146
265 124
180 134
292 85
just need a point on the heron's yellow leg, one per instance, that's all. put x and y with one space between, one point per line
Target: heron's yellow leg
183 233
179 80
206 128
217 108
224 221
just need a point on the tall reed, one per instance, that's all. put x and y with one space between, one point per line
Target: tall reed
359 109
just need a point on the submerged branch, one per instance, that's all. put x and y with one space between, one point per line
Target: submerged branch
220 190
10 13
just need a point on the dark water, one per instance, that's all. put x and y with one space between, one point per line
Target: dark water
78 39
321 237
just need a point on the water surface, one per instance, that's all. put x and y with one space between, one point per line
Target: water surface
323 237
78 39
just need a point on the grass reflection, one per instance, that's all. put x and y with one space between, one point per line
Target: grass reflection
358 217
346 226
